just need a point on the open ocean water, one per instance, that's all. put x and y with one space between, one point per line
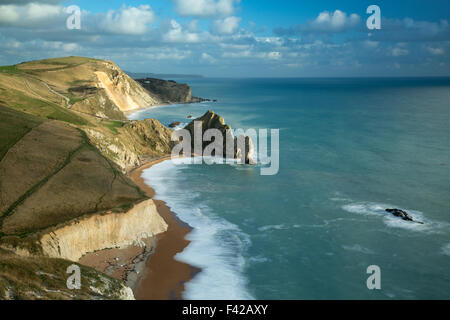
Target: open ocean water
349 149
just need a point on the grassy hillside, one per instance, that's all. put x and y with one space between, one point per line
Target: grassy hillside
13 126
50 174
87 93
61 176
28 278
66 88
64 147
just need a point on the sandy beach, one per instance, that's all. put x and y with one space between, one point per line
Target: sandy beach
164 277
152 272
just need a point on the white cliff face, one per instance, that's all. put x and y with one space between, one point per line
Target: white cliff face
126 294
123 91
99 232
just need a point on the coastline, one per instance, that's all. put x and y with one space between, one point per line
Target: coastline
151 271
127 113
163 277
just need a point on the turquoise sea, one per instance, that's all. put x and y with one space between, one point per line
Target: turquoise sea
349 149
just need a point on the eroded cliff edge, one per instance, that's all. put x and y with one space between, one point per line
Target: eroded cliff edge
109 230
65 150
65 146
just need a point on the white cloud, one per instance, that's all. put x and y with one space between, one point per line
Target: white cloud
19 2
207 58
51 48
226 26
294 65
409 30
193 26
232 46
239 54
167 54
325 22
436 51
30 15
371 44
128 20
275 41
205 8
222 44
174 32
274 55
333 22
398 52
69 47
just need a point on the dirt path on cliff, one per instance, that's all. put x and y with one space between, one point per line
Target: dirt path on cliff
69 106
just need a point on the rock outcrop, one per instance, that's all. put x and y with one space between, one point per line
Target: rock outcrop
97 232
241 147
169 91
402 214
132 143
43 278
174 124
123 91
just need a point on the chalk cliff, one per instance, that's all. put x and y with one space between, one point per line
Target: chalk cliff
84 85
123 91
109 230
65 147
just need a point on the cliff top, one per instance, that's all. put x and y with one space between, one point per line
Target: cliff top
59 161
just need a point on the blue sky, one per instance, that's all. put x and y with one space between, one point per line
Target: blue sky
236 38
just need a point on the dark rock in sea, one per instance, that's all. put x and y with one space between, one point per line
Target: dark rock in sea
169 91
242 148
402 214
197 99
189 117
174 124
215 100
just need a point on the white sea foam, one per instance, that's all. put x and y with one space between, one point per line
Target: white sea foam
273 227
140 114
379 209
446 249
180 126
217 245
357 248
258 259
339 199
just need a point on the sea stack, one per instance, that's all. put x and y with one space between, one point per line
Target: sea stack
211 120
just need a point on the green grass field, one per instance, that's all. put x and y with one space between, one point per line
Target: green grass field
9 69
113 125
13 126
47 110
